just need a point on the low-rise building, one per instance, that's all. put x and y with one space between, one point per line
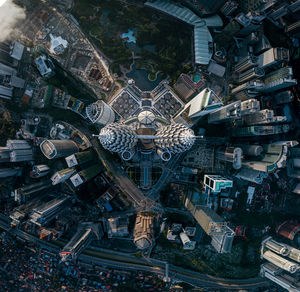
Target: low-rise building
143 231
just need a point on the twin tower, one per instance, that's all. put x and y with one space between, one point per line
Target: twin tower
146 131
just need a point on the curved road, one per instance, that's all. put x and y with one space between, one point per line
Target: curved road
127 262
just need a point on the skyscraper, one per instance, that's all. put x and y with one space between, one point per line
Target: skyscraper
175 138
117 137
28 192
85 175
19 150
45 213
58 148
100 113
226 113
232 155
79 158
279 79
62 175
85 233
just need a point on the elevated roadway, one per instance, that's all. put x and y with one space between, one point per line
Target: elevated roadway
118 260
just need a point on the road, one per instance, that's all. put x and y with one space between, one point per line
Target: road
166 175
123 181
118 260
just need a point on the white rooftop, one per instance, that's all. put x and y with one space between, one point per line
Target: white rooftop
71 160
17 51
201 101
58 45
76 180
146 117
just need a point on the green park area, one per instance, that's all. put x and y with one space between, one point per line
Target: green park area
104 21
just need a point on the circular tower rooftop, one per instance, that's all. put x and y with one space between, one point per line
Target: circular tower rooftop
146 117
117 137
175 138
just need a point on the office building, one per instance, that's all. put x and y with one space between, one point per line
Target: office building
16 50
28 192
280 277
232 155
290 230
250 106
4 154
117 227
214 225
202 156
40 170
85 175
187 244
100 113
229 7
245 63
293 29
251 175
46 212
9 81
282 263
19 150
217 183
202 104
169 139
62 175
58 148
7 172
57 44
86 232
248 89
279 79
117 137
185 87
226 113
261 117
206 6
273 156
293 163
11 53
253 73
44 66
175 138
79 158
143 234
251 150
250 22
261 130
273 57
